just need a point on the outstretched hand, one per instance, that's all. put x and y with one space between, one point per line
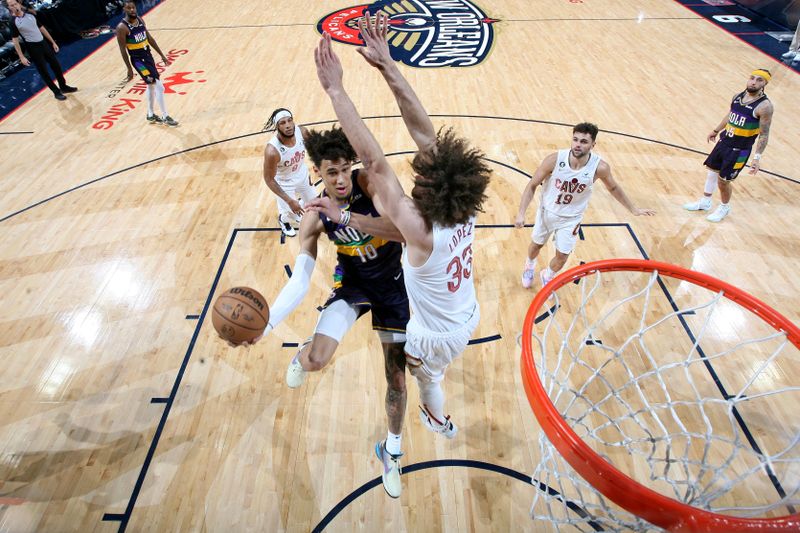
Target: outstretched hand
373 31
244 344
329 68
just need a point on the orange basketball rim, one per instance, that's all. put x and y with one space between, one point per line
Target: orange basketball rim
632 496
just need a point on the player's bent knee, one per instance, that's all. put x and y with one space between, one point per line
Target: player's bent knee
317 360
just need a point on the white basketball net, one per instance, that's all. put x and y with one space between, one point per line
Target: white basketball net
625 374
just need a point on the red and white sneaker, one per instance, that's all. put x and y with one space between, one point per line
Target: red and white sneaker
448 429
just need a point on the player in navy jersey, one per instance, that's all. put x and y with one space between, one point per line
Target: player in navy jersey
749 118
368 277
135 41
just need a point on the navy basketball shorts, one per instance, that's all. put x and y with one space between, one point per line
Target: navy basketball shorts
386 298
727 161
145 66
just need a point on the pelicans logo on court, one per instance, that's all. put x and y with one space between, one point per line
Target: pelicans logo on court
423 33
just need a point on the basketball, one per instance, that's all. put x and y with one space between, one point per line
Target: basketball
240 314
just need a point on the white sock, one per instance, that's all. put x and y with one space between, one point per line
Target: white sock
432 397
529 263
711 183
151 98
160 95
548 273
393 443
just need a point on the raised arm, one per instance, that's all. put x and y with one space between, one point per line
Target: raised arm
330 73
416 119
542 173
764 113
604 174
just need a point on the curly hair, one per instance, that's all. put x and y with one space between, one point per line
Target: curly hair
450 186
331 145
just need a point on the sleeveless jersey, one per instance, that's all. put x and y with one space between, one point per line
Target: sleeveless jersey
441 292
136 42
362 257
566 192
292 166
743 126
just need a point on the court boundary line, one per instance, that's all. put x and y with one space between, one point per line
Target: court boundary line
376 117
737 35
124 517
339 507
440 463
65 72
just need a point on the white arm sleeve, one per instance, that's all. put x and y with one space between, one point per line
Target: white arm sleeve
293 292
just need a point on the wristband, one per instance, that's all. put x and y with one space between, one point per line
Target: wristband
756 157
344 218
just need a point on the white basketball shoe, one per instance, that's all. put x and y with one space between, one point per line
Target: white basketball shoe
295 375
286 227
390 475
528 274
719 213
703 204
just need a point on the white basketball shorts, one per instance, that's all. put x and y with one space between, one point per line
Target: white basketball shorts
565 230
434 350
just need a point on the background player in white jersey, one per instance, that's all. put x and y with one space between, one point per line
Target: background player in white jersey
285 169
567 178
437 220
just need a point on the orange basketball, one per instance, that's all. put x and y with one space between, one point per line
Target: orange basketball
240 314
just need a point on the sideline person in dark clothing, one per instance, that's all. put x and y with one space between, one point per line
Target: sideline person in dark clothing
40 46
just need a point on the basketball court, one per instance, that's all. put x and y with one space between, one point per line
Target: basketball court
121 409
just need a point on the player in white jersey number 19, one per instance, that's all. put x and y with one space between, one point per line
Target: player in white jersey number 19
567 178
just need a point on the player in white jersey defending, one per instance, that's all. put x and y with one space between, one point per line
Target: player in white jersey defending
567 178
437 220
285 169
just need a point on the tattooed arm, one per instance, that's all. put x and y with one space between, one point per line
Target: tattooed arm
764 113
